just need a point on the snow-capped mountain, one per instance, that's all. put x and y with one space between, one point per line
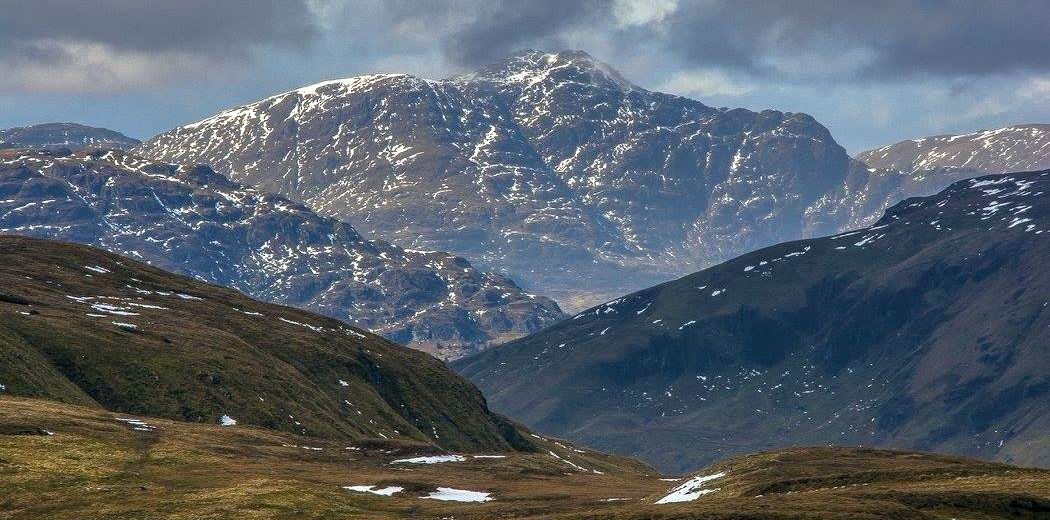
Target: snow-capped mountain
550 167
193 221
64 135
927 330
1008 149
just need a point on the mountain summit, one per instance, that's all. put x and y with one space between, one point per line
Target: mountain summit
529 68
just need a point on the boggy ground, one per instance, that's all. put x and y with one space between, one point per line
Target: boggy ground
69 462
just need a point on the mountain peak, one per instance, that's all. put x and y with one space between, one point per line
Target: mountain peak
529 67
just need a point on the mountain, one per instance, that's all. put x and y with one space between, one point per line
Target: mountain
925 166
64 135
193 221
928 330
550 167
1003 150
87 327
90 463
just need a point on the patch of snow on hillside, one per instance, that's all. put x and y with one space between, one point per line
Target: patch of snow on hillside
458 495
137 424
691 490
434 459
387 491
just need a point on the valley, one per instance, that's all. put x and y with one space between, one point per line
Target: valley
524 260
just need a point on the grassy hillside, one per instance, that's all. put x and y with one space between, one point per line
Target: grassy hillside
85 327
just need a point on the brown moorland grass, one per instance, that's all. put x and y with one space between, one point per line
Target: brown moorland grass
70 462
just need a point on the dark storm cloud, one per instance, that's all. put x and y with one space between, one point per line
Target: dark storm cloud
871 39
205 27
891 39
504 27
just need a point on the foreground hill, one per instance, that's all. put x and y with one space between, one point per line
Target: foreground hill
929 330
193 221
65 462
86 327
548 166
64 135
60 461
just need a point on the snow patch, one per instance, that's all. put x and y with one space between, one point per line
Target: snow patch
691 489
387 491
458 495
434 459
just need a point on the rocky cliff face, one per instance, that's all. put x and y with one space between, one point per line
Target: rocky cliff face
196 222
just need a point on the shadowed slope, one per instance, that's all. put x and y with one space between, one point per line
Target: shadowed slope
87 327
928 330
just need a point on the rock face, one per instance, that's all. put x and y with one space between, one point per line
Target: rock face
83 326
928 330
549 167
64 135
193 221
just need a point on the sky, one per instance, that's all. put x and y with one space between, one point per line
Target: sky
872 72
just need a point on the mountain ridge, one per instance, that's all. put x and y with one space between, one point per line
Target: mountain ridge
1007 149
64 135
921 167
194 221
